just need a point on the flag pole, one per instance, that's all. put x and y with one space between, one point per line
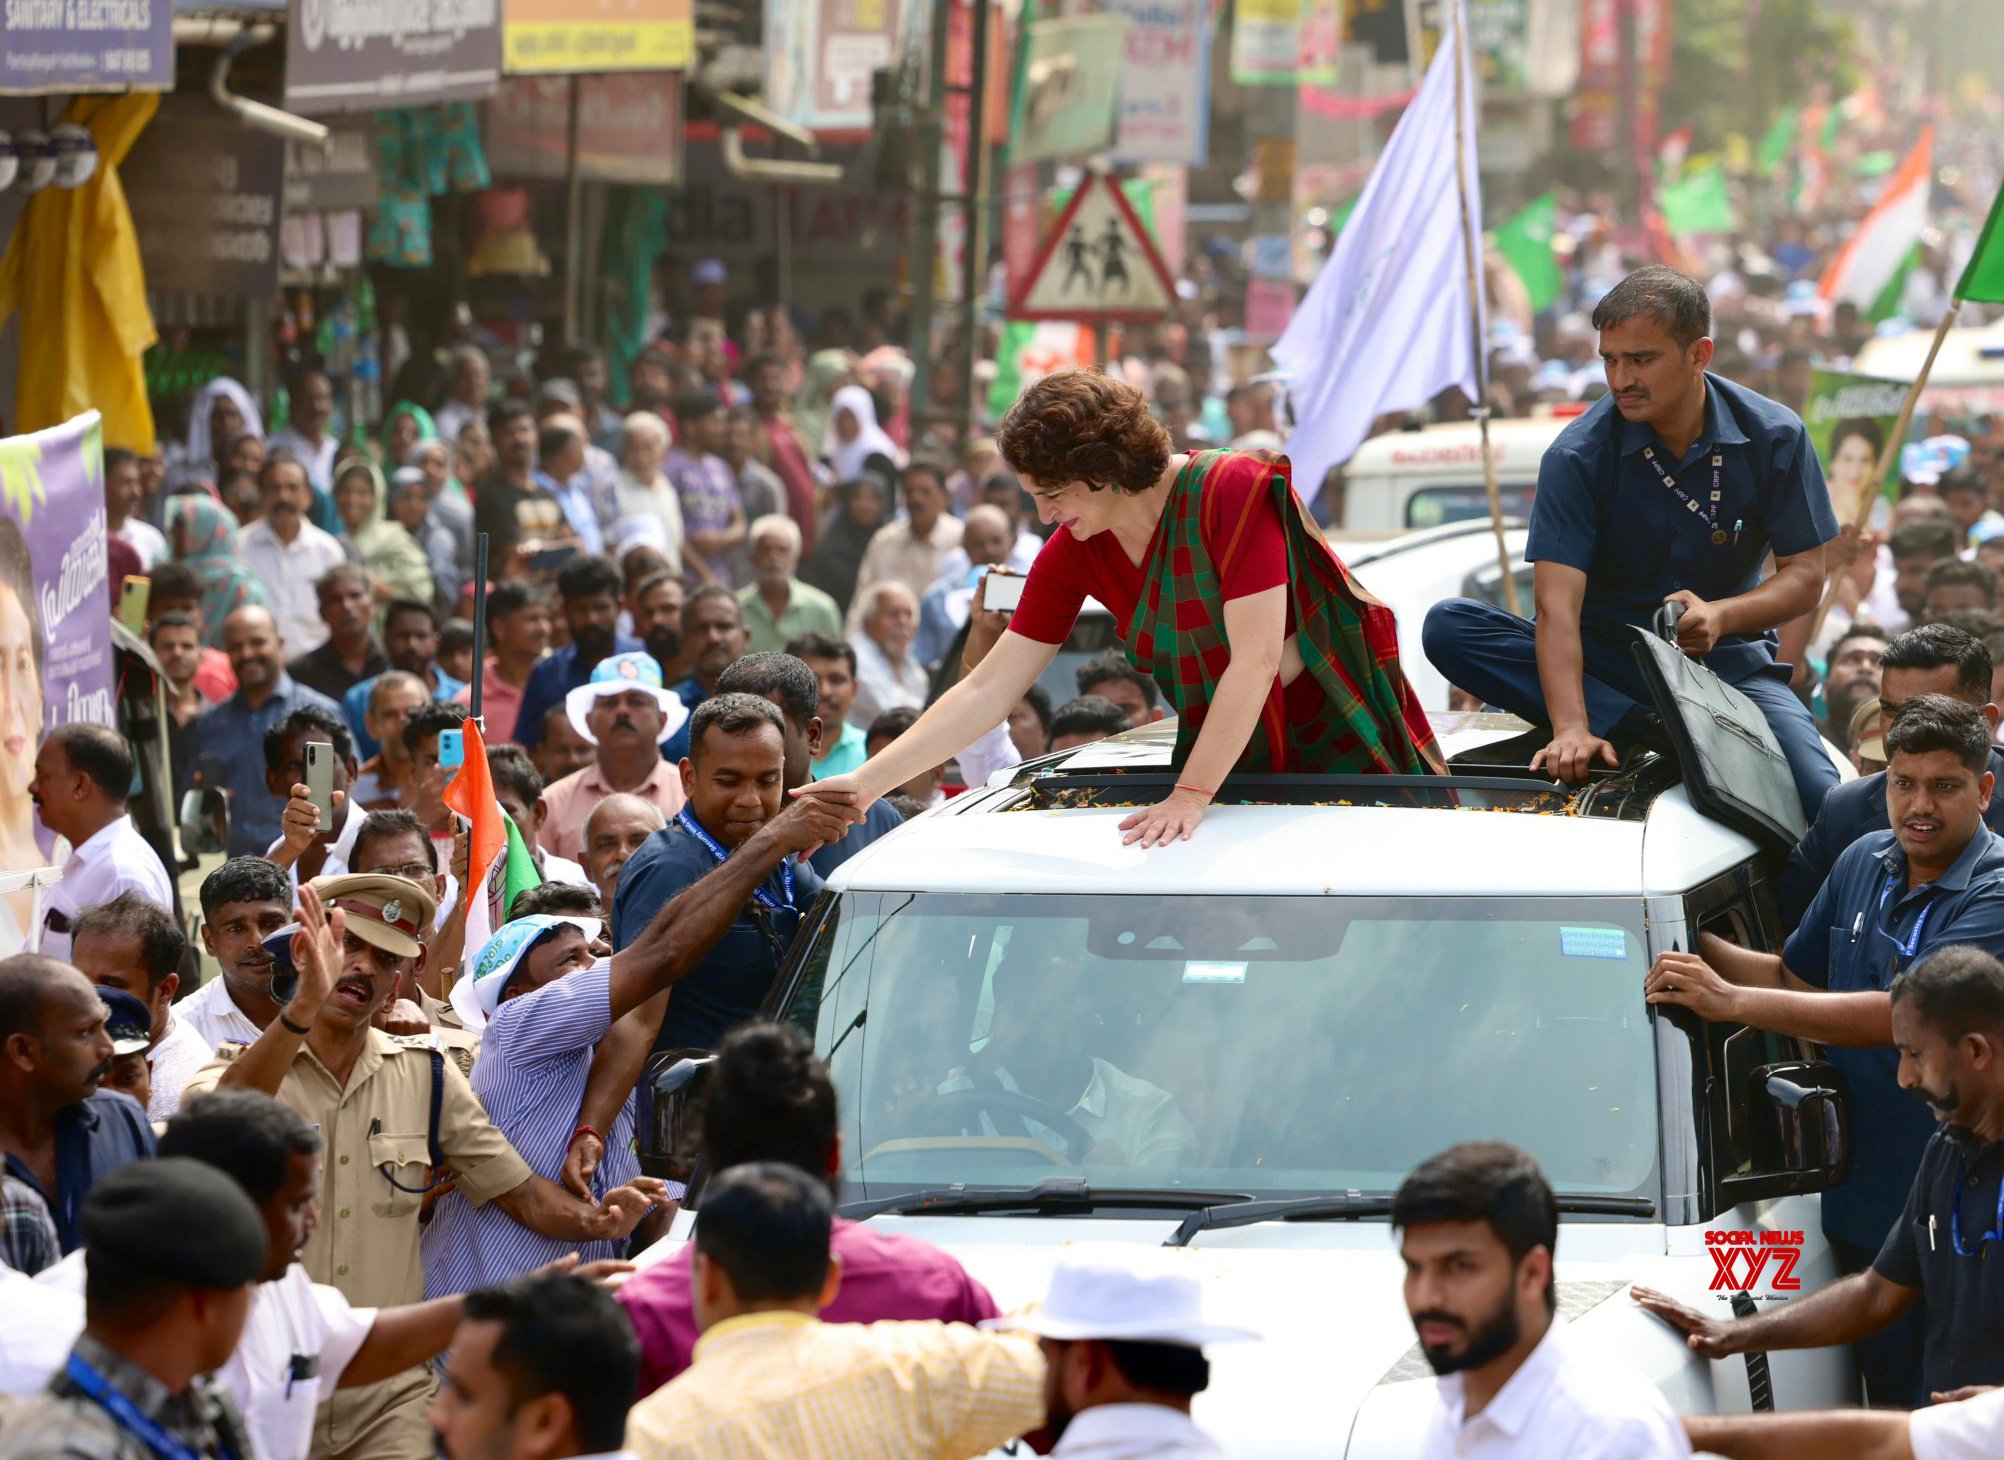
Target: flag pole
479 623
1472 252
1888 457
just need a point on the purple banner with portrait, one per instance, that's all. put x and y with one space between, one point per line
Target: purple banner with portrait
55 606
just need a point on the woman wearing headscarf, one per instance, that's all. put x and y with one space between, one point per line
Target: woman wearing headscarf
861 507
854 436
827 372
203 534
406 424
221 412
392 556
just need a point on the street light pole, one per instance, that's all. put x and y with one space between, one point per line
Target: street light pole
925 246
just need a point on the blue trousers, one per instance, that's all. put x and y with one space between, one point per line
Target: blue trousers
1494 655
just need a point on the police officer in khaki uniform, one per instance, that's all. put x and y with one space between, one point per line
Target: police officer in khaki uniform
391 1109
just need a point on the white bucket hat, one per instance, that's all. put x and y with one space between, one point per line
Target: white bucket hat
1142 1303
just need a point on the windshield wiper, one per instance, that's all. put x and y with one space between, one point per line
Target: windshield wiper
1058 1196
1352 1206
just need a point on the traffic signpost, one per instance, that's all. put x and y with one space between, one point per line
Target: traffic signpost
1098 263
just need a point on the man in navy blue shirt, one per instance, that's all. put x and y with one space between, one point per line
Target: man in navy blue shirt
229 738
588 590
1935 878
735 777
59 1132
1934 659
1675 486
789 684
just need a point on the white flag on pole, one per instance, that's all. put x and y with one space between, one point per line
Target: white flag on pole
1385 326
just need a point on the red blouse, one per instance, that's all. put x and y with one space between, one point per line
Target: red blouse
1069 571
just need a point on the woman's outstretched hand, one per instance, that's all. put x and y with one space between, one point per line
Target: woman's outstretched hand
1172 819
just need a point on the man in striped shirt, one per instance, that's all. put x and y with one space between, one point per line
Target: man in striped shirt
548 1005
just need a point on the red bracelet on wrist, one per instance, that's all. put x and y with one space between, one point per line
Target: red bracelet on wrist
1199 790
584 1130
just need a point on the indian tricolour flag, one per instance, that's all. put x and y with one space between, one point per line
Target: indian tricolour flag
1870 270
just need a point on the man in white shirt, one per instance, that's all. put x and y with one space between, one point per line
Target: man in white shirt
83 774
913 550
122 497
1477 1228
310 411
136 947
1969 1429
1123 1342
244 901
466 392
288 553
888 674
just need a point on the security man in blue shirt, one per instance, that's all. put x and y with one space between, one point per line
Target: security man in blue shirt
1932 659
1935 878
734 777
1675 486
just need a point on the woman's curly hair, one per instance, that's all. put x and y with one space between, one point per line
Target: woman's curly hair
1083 426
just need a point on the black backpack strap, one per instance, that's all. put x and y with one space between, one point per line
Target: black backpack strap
437 1104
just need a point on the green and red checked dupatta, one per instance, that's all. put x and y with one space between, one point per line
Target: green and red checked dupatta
1368 719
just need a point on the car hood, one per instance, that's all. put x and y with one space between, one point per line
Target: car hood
1337 1350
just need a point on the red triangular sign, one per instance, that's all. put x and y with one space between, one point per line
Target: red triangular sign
1097 262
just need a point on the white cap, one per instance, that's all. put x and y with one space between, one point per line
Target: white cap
1139 1301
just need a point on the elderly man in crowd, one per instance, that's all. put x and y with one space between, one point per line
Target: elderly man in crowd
888 674
136 947
288 553
625 712
948 601
617 828
777 606
83 777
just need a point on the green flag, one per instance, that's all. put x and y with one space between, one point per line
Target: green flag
519 872
1698 204
1773 150
1984 278
1525 241
1887 305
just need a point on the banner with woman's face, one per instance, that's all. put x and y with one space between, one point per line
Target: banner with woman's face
55 610
1849 418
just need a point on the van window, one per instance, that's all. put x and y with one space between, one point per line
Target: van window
1435 506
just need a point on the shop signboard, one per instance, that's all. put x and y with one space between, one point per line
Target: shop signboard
1071 78
205 193
1165 82
1266 42
343 175
820 55
581 37
361 55
61 46
629 128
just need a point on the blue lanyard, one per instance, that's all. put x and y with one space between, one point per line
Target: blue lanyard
149 1433
1912 946
1711 518
690 825
1996 1232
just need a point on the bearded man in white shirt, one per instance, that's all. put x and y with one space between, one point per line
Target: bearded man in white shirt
1477 1228
136 947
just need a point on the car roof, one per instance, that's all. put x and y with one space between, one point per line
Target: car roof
1477 837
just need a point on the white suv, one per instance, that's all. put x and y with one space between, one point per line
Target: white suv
1273 1022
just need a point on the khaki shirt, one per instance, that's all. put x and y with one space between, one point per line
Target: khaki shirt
367 1242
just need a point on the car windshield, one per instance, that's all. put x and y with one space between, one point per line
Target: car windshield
1270 1045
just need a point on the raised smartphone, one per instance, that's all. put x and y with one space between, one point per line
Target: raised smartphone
320 781
133 597
1004 592
451 749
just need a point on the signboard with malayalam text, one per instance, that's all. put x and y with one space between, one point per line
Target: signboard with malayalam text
361 55
584 37
206 193
629 128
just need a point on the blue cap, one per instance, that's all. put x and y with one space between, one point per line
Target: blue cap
127 1021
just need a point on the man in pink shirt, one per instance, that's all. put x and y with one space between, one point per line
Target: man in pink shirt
518 633
770 1099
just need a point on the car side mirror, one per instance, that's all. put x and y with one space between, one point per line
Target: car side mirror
1801 1131
671 1091
205 820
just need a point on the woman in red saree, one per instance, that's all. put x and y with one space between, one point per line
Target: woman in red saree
1224 592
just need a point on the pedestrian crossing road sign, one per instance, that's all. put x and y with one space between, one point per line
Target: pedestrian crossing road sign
1097 262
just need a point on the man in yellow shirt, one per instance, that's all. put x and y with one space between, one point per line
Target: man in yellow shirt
771 1381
